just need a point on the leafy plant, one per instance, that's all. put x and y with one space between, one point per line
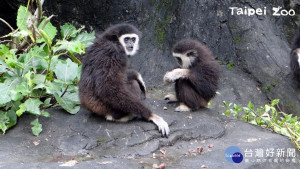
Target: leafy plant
268 117
33 76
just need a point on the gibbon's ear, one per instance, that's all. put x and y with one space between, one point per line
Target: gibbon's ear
191 53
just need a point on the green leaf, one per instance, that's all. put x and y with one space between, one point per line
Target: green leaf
12 118
52 88
69 105
71 46
3 50
12 61
5 89
66 71
28 79
250 105
45 114
67 30
47 102
3 121
285 132
36 127
23 89
267 108
227 113
45 38
21 110
86 38
39 79
274 102
16 96
22 17
33 106
49 31
253 122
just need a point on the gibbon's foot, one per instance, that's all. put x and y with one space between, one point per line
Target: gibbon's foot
175 74
182 107
163 126
171 98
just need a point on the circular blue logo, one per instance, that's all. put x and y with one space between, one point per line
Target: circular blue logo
233 154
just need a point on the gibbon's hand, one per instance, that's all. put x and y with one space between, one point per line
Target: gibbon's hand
171 98
162 125
175 74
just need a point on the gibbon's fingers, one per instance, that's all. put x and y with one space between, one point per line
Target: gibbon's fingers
182 107
175 74
161 123
171 97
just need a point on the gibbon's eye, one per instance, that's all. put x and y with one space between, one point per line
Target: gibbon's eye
191 53
179 61
126 39
133 40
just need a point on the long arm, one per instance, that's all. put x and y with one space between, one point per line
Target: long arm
123 101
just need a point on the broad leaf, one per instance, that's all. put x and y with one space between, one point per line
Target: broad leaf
39 79
21 110
5 89
67 30
52 88
36 127
49 31
66 71
23 88
69 105
22 17
33 106
3 50
71 46
3 121
86 38
45 114
16 96
12 118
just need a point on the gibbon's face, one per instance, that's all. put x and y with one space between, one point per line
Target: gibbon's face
130 43
186 59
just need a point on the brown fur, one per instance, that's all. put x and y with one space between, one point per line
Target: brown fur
201 85
106 86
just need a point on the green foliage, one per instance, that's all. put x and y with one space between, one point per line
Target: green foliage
101 139
269 87
36 127
230 65
237 40
33 77
22 17
267 116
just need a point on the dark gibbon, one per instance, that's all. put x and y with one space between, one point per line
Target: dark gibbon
295 57
107 87
196 79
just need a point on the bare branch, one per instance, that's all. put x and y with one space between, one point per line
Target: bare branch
38 12
47 20
7 24
5 41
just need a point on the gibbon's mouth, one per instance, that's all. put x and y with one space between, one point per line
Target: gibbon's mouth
179 61
130 48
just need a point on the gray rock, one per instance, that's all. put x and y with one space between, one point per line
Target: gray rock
94 142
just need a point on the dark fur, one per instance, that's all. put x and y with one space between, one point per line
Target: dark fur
202 83
294 57
106 86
